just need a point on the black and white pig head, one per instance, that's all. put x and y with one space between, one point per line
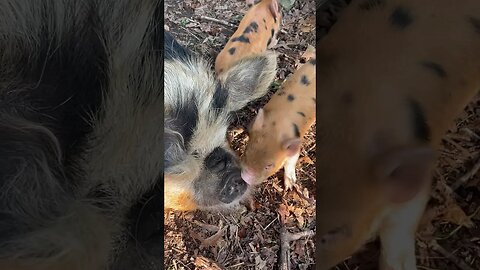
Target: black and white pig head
201 172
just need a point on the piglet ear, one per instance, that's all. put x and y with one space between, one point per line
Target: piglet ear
259 119
248 79
274 9
402 173
292 146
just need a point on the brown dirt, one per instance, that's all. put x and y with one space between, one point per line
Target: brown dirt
248 239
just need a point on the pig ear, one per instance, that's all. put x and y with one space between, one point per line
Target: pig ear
274 9
402 173
259 119
292 146
248 79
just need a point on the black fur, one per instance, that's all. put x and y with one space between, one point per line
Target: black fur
436 68
475 23
313 61
48 93
65 68
290 98
254 26
231 51
372 4
296 131
173 49
146 228
241 38
219 98
185 119
401 17
247 30
304 80
419 122
217 160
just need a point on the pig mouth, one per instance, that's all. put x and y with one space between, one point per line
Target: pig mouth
248 176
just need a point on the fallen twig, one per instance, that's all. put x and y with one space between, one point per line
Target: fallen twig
297 189
222 22
460 263
467 176
285 239
471 133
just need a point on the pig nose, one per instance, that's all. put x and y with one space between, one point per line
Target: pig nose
233 188
248 175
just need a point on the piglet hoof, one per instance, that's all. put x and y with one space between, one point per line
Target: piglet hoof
289 183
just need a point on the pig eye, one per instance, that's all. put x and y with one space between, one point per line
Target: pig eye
196 154
217 160
268 167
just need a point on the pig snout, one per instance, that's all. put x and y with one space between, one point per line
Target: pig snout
248 176
232 188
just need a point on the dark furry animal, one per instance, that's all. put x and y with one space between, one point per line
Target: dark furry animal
201 172
81 98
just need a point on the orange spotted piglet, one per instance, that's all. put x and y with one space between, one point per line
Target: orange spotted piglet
275 137
256 33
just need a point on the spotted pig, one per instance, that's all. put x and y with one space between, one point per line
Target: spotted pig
275 136
256 33
393 76
201 172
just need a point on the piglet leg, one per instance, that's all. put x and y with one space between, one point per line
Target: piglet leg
290 176
397 234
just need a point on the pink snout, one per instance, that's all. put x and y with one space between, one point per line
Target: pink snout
248 176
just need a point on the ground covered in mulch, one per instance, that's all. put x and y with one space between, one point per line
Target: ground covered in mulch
449 236
249 237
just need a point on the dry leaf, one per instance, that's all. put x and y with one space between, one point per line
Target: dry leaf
213 240
308 160
242 233
299 248
208 227
301 221
456 215
298 211
306 28
202 263
259 263
197 236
